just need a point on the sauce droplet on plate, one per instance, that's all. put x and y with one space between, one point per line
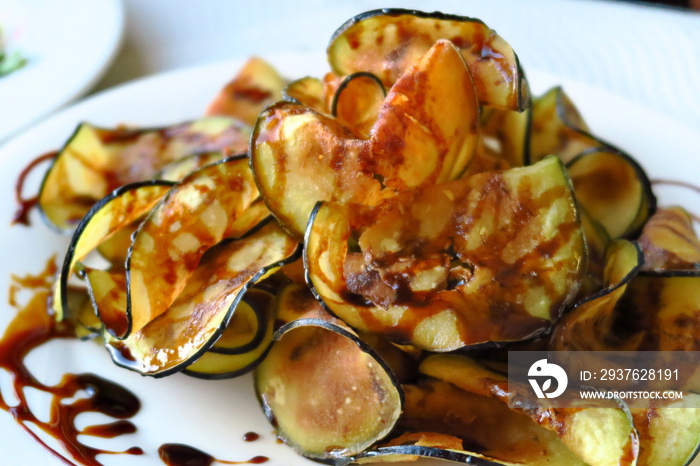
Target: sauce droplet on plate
177 454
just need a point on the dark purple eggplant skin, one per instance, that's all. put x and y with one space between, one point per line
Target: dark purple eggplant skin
65 268
347 80
124 362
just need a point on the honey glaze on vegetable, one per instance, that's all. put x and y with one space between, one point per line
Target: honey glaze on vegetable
177 454
32 327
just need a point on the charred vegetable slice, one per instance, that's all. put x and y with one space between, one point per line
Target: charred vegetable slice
510 132
669 241
581 328
256 86
660 311
327 392
357 101
669 434
108 217
300 156
196 214
493 258
251 324
309 92
614 190
558 128
387 42
484 425
95 161
200 314
601 435
177 170
597 242
244 343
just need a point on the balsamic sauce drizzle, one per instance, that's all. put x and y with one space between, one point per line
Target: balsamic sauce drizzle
35 325
681 184
177 454
25 205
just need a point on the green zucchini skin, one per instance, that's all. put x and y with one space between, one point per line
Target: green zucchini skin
326 335
82 226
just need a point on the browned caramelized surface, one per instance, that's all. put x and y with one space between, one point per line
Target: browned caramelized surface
457 264
669 241
387 45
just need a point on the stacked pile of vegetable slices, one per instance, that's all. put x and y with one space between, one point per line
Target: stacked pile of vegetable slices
384 235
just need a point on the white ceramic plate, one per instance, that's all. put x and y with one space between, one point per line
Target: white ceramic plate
68 45
214 415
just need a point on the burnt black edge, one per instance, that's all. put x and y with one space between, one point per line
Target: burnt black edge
346 81
220 329
231 374
163 200
648 194
398 12
263 318
65 268
425 452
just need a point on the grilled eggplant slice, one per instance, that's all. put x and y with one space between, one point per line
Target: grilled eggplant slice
493 258
669 434
614 190
357 101
669 242
328 394
202 311
177 170
196 214
309 92
256 86
108 217
387 42
581 328
244 343
300 156
558 128
509 131
95 161
601 435
484 425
